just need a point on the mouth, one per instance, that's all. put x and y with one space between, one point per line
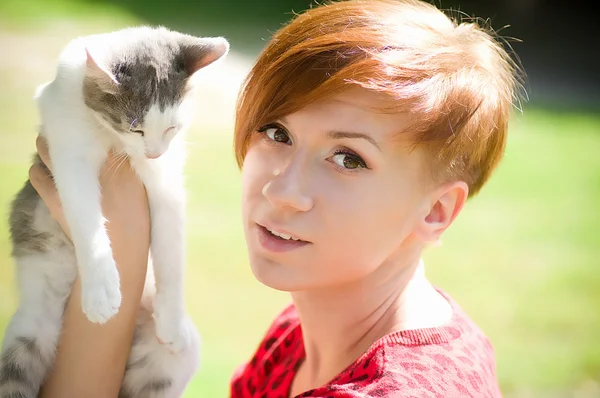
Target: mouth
278 241
282 235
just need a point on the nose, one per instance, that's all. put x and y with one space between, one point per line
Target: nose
153 155
284 189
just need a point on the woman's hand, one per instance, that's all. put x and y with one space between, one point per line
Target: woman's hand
92 357
41 179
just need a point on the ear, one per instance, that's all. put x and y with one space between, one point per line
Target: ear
105 80
446 204
201 52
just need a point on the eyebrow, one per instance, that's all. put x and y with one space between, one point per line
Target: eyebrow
347 134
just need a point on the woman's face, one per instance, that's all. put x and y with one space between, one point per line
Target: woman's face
328 196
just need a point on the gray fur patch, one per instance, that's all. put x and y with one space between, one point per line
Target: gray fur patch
18 364
18 394
25 238
138 335
30 346
156 386
23 348
152 71
23 351
150 389
103 103
11 372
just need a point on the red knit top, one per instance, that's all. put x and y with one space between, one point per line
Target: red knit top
455 360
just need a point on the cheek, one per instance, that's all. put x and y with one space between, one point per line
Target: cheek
254 172
358 237
362 230
184 113
132 142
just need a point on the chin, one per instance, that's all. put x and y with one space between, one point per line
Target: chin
273 275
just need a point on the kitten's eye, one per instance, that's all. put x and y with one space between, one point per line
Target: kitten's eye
276 133
140 132
348 160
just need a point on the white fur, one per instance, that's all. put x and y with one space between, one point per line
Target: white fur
159 361
163 179
78 150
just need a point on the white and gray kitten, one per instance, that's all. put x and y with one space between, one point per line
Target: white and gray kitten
130 91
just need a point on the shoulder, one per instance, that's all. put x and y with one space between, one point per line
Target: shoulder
455 360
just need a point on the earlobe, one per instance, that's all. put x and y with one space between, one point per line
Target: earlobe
448 201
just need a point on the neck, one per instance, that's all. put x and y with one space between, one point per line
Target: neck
341 323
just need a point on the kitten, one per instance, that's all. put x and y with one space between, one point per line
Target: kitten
130 91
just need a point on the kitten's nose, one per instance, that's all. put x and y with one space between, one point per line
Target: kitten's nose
153 155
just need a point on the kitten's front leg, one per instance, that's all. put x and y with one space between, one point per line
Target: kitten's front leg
167 211
76 160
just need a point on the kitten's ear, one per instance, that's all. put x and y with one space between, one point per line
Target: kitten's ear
105 80
202 52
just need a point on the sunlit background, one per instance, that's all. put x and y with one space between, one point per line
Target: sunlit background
522 258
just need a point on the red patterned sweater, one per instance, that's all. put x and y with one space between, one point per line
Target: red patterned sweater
455 360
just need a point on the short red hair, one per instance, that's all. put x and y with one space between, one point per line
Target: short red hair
456 78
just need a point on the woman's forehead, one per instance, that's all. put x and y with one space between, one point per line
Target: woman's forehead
351 110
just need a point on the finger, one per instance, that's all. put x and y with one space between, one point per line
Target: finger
42 149
44 185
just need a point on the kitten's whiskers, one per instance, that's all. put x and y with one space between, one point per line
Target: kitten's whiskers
114 164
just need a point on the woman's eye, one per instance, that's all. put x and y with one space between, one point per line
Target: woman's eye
275 133
140 132
278 135
348 160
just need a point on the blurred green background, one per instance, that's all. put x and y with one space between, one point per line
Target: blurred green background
522 259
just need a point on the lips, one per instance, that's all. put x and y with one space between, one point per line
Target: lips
281 232
275 240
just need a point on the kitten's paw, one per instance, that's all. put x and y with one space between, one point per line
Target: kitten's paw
170 326
172 334
100 293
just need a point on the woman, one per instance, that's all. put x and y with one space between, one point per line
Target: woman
361 132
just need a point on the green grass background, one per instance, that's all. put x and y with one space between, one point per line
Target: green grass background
522 258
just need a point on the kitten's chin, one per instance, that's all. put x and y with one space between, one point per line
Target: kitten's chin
132 153
136 155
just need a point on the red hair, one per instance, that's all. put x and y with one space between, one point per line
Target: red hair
455 78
